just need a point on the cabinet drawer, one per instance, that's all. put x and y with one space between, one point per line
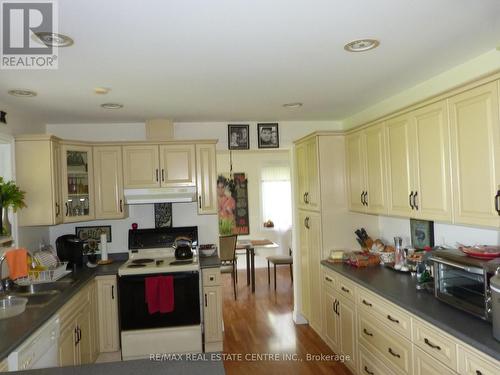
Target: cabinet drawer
470 363
369 365
434 343
346 288
396 350
328 279
211 276
424 364
387 313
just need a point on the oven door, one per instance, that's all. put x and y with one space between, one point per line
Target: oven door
134 313
461 286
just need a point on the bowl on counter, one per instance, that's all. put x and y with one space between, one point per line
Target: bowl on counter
11 306
207 250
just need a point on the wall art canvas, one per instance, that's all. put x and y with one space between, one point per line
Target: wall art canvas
232 197
163 215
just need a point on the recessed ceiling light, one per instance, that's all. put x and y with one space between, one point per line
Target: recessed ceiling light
53 39
292 105
112 105
361 45
102 90
22 93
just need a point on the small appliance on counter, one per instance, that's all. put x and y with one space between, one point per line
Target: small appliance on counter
495 304
70 249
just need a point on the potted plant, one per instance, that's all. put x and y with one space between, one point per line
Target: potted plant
10 197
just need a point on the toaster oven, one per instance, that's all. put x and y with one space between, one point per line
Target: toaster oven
463 282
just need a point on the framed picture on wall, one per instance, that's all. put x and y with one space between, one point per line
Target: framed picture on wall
238 137
93 233
422 234
268 135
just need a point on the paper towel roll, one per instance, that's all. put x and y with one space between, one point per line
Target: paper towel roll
104 246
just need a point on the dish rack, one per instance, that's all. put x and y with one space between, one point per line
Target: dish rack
45 276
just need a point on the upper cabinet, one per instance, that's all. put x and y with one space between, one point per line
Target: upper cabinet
308 175
475 150
108 175
177 163
206 178
365 151
141 166
77 183
38 170
151 166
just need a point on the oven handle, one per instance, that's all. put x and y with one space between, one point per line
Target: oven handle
477 271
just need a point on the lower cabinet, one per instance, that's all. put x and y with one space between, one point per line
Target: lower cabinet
4 366
76 341
424 364
369 364
212 310
107 312
347 331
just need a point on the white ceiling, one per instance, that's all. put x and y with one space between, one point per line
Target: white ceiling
235 60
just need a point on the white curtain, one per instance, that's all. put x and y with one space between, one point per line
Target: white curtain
276 196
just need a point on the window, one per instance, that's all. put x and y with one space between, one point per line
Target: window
277 196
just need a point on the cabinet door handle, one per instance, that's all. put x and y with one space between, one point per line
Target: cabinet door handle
338 303
366 198
497 202
112 292
391 352
163 175
415 200
367 333
199 201
344 289
307 198
58 209
392 319
206 301
67 208
121 205
306 222
156 174
365 302
76 336
334 305
411 200
478 372
431 344
368 371
361 198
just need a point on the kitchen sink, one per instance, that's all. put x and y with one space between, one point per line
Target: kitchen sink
39 298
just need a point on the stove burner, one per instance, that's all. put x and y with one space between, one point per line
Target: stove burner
180 262
142 261
136 265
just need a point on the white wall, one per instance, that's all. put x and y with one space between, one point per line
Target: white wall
444 234
99 132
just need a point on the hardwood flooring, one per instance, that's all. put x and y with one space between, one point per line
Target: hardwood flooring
261 323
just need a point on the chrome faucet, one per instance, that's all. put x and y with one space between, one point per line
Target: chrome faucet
4 285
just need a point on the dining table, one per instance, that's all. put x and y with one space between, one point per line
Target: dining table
249 246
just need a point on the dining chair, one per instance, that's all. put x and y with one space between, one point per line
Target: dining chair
277 260
227 255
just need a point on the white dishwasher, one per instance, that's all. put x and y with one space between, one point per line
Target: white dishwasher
40 350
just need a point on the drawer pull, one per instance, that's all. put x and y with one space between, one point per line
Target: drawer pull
368 371
431 344
328 279
394 354
211 278
345 289
478 372
365 302
367 333
392 319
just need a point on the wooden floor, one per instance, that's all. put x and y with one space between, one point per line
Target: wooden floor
261 323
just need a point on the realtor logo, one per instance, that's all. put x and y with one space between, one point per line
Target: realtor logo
22 22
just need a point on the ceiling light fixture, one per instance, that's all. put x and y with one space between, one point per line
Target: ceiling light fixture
22 93
53 39
361 45
292 105
102 90
112 105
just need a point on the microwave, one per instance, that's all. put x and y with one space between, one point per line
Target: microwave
463 282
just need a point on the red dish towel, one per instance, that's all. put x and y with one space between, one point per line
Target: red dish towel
152 295
159 292
166 294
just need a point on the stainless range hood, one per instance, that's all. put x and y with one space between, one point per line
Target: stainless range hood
160 195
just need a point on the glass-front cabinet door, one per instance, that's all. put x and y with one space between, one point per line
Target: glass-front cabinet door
77 183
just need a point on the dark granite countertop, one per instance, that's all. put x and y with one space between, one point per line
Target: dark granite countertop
15 330
400 289
209 262
180 367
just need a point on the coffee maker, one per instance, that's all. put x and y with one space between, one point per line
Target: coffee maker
70 249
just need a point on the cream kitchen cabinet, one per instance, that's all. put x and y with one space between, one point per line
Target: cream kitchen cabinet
475 150
212 309
38 173
77 182
108 176
206 178
141 166
330 321
164 165
310 257
366 170
107 312
308 174
4 366
424 364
